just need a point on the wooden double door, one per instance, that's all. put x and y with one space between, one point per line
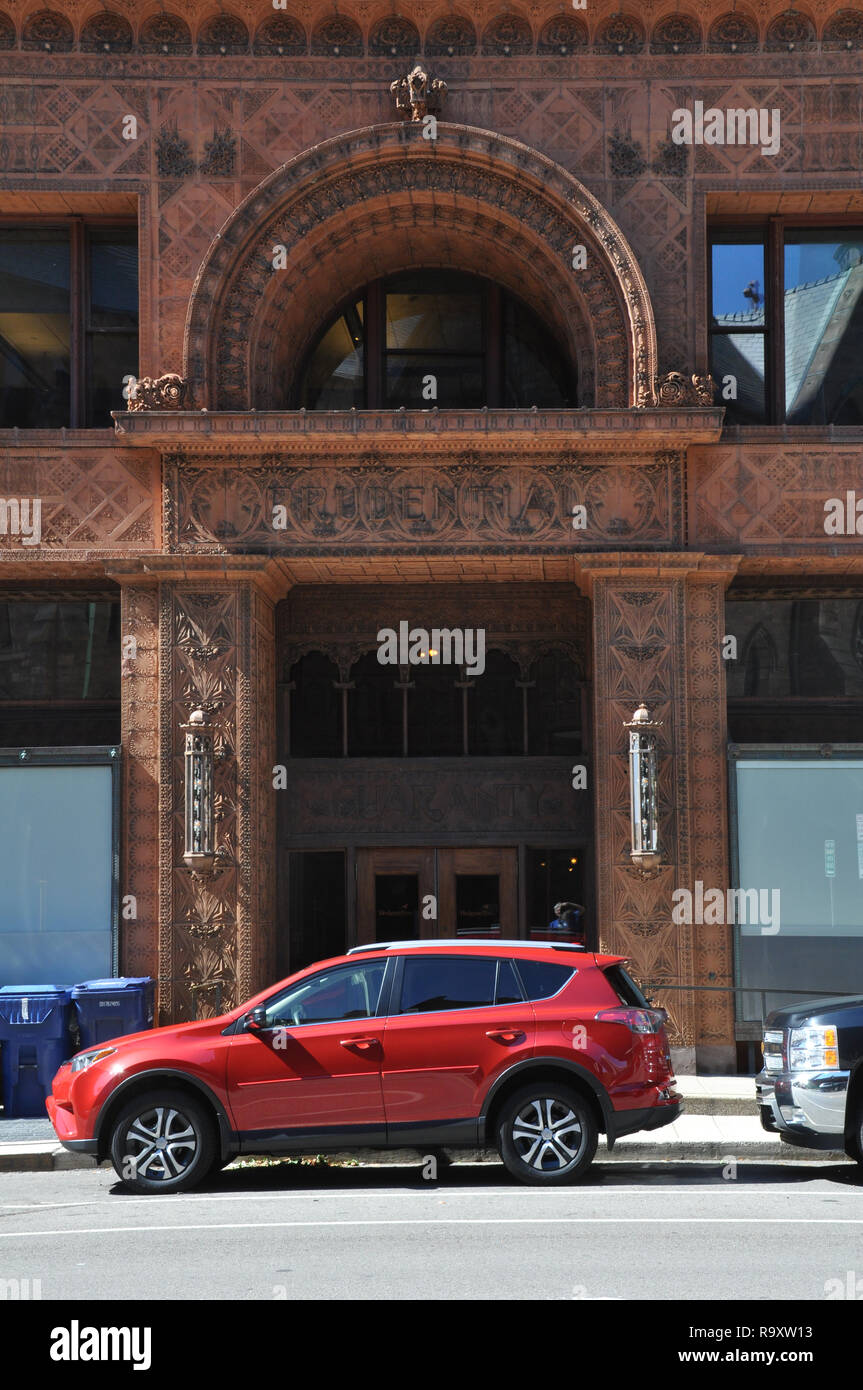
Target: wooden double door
407 894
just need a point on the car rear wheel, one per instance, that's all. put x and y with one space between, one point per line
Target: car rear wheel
163 1141
547 1134
854 1138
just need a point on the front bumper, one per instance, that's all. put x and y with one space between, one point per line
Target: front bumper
804 1107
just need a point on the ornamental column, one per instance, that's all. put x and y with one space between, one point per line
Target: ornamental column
658 620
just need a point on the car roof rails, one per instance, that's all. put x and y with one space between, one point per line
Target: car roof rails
494 942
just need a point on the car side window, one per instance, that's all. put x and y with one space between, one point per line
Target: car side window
346 991
541 981
434 983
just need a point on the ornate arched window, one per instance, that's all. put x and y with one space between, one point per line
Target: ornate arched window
435 338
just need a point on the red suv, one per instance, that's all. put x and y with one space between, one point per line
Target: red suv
533 1048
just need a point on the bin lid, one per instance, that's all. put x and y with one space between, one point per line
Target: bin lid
111 985
25 991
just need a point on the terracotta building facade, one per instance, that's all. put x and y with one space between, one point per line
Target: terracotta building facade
314 322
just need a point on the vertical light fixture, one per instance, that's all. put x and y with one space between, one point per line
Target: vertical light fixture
645 852
200 851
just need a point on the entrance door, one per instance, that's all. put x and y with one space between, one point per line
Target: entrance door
474 892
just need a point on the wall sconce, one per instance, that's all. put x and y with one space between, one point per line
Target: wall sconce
645 853
198 763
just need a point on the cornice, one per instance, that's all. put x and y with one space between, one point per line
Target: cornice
336 434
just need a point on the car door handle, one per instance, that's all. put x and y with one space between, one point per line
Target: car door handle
505 1035
361 1044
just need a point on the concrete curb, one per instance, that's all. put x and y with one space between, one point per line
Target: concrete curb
47 1158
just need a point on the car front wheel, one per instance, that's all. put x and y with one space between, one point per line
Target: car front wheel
163 1141
547 1134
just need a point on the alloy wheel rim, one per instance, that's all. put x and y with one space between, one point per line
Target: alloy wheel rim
547 1135
161 1143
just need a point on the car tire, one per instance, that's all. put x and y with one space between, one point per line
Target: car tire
163 1141
547 1134
854 1139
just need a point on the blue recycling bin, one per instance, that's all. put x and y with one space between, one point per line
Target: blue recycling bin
110 1008
35 1040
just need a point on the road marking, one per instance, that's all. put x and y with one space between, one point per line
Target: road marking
456 1221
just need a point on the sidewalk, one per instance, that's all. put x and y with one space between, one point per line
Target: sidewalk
719 1123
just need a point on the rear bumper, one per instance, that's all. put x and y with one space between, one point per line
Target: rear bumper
622 1122
804 1108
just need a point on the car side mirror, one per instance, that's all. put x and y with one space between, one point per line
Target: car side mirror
256 1020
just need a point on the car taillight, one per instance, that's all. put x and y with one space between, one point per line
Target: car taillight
636 1020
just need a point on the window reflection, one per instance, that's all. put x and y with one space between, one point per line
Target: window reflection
436 338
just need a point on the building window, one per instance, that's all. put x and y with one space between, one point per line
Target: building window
434 711
68 323
59 673
798 674
435 338
786 323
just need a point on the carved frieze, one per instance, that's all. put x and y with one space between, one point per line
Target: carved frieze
168 392
467 506
453 797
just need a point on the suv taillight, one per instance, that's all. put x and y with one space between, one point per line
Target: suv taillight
636 1020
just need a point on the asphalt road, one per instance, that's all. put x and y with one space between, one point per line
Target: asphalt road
675 1231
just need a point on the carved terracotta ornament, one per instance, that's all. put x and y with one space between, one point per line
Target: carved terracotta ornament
160 393
677 389
418 95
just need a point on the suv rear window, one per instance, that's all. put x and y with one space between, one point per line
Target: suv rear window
541 981
625 987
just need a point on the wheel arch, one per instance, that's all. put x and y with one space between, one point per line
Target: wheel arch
545 1069
145 1081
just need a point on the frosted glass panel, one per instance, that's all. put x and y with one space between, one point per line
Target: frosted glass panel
55 870
800 830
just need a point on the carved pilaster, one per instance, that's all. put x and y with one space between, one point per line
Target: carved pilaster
139 703
657 638
216 929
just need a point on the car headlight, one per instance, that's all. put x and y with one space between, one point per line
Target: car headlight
772 1049
814 1049
86 1059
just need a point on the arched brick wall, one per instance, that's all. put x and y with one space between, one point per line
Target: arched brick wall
384 199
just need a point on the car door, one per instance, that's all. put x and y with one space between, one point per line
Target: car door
454 1024
313 1071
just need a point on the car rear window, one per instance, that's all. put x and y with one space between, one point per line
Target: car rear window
625 987
542 980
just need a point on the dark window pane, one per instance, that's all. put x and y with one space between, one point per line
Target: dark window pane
435 312
495 709
434 713
459 382
59 651
477 905
35 330
554 705
436 983
554 876
316 708
824 327
113 276
110 358
374 710
541 981
334 378
316 910
536 372
396 907
508 986
740 356
739 279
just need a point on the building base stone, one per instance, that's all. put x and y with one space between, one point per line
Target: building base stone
715 1059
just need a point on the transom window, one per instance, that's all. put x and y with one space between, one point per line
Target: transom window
436 338
786 323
